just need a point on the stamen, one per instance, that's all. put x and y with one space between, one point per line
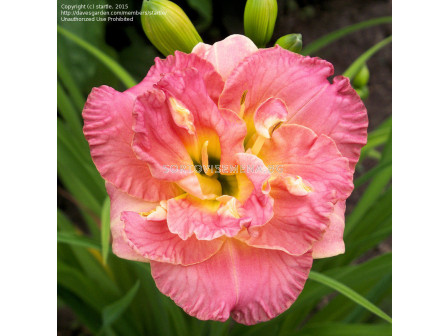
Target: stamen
243 104
255 149
205 165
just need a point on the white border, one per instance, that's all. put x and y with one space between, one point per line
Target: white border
28 167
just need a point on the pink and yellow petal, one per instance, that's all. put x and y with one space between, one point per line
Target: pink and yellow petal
225 215
268 115
316 159
298 222
259 204
119 202
188 216
275 73
210 124
136 238
301 83
339 113
108 129
153 240
157 141
251 285
315 176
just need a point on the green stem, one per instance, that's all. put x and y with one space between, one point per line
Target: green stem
116 68
356 66
336 35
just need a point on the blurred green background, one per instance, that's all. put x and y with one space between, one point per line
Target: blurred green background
99 293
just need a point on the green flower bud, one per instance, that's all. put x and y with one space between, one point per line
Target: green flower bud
259 20
363 92
362 78
168 27
291 42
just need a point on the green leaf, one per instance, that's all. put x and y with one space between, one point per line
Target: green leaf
177 316
77 158
372 173
376 138
378 291
76 240
75 182
336 35
115 67
373 191
68 112
152 295
84 66
339 329
351 294
113 311
70 84
219 328
105 229
351 275
339 307
357 65
79 149
85 288
86 314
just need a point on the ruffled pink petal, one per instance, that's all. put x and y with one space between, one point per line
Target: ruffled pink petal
277 73
152 239
259 206
225 55
251 285
108 129
135 238
298 222
188 215
332 242
162 143
226 215
156 140
213 81
339 113
188 88
119 202
301 82
301 218
300 151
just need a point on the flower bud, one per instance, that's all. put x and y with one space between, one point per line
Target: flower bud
291 42
259 20
362 78
168 27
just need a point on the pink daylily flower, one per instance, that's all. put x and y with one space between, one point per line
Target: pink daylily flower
240 240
